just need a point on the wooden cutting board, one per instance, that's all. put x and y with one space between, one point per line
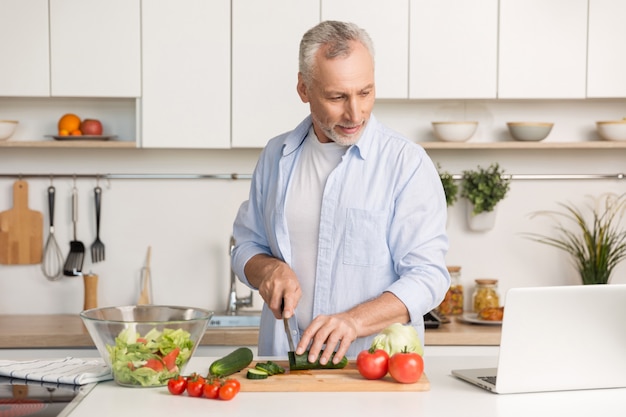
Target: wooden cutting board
21 230
347 379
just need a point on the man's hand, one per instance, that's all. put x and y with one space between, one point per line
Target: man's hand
338 329
277 284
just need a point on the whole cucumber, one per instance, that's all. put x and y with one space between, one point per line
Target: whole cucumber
235 361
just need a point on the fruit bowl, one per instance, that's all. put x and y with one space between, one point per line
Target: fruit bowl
613 130
454 131
146 345
529 131
7 128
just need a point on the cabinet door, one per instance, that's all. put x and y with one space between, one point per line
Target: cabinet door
95 48
543 49
387 24
606 63
266 39
186 74
25 63
453 49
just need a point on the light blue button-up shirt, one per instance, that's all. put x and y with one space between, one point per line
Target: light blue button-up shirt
382 228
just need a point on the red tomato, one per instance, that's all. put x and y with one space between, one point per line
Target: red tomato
170 360
177 385
211 390
373 363
155 364
235 383
195 385
227 392
141 340
406 367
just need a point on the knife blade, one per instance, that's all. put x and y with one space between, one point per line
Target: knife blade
288 330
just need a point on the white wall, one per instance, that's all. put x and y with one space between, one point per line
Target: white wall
188 222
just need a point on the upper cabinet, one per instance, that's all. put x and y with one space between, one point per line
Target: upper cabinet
186 74
70 48
266 39
95 48
606 62
387 24
24 46
453 49
543 49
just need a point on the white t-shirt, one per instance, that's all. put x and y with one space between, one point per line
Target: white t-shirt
304 202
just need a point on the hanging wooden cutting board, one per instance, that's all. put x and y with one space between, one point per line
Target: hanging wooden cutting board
347 379
21 230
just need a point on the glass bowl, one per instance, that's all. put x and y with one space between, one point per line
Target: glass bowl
146 345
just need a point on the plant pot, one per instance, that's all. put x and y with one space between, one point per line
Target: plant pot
480 222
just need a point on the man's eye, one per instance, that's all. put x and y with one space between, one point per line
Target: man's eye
365 93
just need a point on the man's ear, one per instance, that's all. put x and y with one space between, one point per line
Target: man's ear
302 90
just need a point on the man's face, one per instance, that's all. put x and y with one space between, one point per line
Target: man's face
340 95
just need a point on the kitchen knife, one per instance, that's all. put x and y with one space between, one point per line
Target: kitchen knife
292 347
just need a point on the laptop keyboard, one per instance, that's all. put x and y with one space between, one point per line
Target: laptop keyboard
489 379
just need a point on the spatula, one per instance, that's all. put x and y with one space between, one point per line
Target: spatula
74 262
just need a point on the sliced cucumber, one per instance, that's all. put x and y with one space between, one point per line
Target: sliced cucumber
301 362
256 373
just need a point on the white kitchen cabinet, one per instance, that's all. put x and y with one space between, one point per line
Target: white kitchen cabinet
25 67
453 49
95 48
542 49
186 74
387 24
606 63
266 39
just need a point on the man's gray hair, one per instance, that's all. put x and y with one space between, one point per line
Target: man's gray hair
336 37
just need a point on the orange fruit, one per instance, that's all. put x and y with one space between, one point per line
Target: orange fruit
63 132
69 122
76 132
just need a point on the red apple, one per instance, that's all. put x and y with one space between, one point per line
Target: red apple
91 127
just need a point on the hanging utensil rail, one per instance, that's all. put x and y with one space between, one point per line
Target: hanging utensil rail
235 176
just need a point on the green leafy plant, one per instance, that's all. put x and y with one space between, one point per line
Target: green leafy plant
484 188
596 246
450 187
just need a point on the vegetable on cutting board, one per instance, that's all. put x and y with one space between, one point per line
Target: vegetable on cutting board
263 370
233 362
301 362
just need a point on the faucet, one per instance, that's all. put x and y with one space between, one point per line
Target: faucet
234 302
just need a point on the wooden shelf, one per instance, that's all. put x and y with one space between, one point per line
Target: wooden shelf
108 144
590 145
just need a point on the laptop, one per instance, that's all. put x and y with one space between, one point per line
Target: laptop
558 338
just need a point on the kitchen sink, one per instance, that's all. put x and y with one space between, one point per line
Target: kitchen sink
247 319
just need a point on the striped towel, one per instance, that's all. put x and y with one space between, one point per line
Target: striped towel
63 371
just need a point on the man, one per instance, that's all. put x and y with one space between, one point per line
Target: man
345 223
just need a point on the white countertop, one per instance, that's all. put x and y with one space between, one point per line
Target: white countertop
448 397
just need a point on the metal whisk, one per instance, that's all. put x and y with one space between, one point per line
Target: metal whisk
52 260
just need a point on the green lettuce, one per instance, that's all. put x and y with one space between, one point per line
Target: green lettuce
398 338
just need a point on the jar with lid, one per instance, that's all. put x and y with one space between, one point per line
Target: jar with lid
452 304
485 294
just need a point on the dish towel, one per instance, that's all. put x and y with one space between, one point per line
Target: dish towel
64 371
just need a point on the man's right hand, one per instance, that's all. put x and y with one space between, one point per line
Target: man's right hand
278 285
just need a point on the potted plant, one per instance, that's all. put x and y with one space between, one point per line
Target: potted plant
484 188
596 246
450 187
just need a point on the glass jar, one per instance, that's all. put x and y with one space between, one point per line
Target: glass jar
485 294
452 303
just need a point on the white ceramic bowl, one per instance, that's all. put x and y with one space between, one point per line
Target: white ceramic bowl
7 128
454 131
529 131
135 341
615 130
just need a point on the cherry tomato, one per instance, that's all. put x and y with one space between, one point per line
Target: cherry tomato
227 392
211 389
195 385
235 383
373 363
406 367
177 385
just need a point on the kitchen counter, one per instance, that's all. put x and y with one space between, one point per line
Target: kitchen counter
447 396
67 331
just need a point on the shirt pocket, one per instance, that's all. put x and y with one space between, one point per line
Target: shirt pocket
366 238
